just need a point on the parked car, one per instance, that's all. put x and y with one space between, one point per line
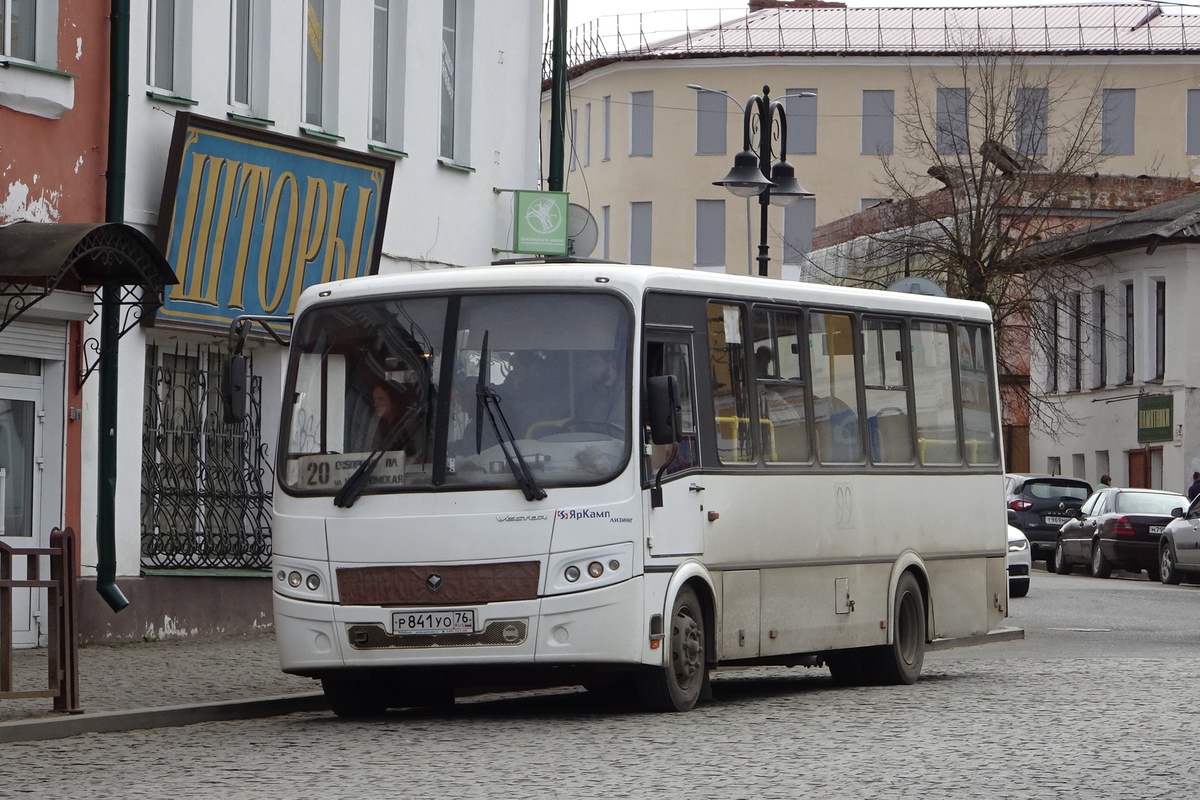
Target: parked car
1019 563
1117 529
1179 549
1038 505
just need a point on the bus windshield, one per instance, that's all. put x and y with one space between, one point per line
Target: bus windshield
525 391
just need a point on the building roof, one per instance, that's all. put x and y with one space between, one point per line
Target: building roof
1172 222
807 31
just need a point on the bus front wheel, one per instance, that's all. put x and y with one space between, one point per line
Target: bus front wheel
352 696
900 662
677 685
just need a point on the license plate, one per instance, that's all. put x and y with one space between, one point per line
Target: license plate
1055 520
1156 528
433 621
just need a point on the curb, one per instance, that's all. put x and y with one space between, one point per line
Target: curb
60 727
1002 634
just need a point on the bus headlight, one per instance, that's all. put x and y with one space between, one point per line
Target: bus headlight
579 570
301 580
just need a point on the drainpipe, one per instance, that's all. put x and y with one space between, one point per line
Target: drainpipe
558 93
110 312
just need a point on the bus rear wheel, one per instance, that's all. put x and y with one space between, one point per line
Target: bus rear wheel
678 684
900 662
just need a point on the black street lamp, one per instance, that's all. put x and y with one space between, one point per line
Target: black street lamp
749 176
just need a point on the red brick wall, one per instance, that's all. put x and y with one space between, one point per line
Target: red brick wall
1101 193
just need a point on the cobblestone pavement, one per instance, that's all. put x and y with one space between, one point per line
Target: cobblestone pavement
1097 702
973 727
120 677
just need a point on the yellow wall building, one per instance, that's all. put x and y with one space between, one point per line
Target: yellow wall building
643 149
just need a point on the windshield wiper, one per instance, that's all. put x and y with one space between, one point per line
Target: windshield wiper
352 489
488 401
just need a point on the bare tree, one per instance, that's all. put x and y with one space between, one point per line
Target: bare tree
1014 151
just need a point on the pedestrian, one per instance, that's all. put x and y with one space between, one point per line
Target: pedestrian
1194 489
1105 481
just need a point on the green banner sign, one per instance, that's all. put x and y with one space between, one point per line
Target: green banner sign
1156 418
540 223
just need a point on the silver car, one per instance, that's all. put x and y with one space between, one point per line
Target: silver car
1179 548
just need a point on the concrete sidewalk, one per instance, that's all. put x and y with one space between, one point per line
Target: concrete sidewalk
159 684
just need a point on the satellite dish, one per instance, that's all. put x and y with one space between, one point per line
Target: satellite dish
582 231
917 285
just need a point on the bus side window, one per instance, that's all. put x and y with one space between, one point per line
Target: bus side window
889 432
835 388
779 379
675 358
732 408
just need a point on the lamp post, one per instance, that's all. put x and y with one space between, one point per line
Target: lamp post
749 176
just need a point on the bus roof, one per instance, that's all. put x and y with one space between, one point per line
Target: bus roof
635 280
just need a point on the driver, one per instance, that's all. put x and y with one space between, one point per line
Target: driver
601 400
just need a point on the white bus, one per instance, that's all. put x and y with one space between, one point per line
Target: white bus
625 477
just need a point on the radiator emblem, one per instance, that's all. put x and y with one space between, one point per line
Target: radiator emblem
434 583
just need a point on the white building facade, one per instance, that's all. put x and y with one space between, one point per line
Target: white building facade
1124 369
443 94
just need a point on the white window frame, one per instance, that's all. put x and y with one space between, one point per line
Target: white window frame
391 71
454 75
45 35
258 58
323 85
178 40
35 86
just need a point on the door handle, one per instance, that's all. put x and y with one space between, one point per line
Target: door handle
695 487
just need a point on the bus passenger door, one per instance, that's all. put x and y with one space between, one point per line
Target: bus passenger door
676 527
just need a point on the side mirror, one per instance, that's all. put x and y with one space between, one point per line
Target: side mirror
1012 517
665 409
1177 512
233 390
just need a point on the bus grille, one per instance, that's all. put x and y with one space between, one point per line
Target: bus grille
497 632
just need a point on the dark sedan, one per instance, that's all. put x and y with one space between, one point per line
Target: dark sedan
1117 529
1038 505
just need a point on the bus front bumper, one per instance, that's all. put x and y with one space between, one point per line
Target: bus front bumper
605 625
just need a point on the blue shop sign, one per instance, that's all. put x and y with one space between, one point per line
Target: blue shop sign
249 219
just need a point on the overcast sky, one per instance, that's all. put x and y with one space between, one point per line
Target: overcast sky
581 11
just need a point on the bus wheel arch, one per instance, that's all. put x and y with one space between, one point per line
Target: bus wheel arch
687 648
901 659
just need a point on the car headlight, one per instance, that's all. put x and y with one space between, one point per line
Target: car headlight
1018 545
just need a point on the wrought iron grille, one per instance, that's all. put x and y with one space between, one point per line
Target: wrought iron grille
205 485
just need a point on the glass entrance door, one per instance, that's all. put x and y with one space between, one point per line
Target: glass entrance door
20 494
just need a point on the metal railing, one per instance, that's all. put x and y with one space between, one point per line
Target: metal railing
63 644
1050 28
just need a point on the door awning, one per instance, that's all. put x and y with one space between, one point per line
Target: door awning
36 258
